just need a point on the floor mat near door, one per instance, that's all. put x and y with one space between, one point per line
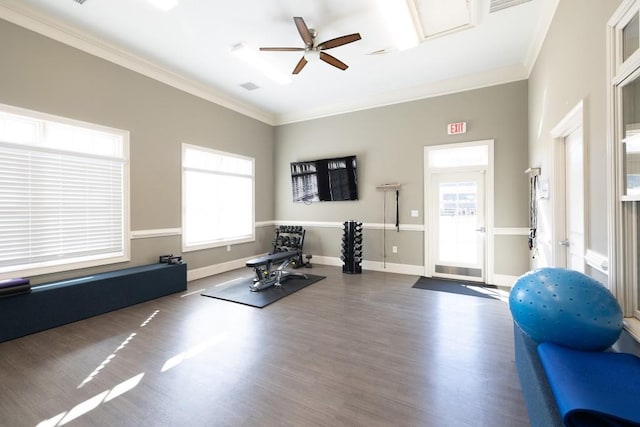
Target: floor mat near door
456 287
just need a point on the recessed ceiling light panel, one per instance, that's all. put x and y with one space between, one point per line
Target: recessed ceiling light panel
164 5
439 17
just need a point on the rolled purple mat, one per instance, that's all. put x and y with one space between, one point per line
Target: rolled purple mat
15 290
9 283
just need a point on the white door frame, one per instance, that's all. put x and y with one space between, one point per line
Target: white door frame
489 204
572 121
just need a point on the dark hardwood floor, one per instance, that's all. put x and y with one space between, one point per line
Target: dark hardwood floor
350 350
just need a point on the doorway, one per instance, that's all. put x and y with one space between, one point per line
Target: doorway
457 178
569 200
574 202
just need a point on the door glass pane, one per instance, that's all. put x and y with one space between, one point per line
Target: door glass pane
630 34
631 146
458 219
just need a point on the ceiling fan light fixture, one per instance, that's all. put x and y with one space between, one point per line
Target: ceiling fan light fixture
164 5
399 18
252 58
312 55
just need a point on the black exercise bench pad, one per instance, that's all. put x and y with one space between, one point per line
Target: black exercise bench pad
240 293
265 259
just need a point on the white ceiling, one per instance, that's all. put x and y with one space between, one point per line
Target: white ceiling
190 47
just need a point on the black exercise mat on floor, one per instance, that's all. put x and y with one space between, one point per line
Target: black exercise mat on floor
454 287
240 293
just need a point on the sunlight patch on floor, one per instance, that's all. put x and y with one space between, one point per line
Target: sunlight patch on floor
92 403
499 294
149 319
113 355
193 351
192 293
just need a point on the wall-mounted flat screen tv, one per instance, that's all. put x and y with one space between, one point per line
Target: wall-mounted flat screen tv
325 180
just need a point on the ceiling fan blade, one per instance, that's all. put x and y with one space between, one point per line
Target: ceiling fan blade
300 65
304 31
333 61
281 49
339 41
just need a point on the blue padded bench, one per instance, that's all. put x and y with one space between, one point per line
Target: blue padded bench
538 396
66 301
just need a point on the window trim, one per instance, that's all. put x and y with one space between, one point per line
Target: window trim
223 242
622 209
87 261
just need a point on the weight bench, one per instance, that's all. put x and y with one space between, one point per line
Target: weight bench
266 276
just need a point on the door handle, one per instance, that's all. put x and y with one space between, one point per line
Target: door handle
564 243
480 229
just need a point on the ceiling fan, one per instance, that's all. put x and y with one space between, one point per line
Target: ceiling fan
313 50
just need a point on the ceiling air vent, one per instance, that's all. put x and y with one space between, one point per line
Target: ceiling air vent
497 5
250 86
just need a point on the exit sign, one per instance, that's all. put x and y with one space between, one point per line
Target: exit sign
457 128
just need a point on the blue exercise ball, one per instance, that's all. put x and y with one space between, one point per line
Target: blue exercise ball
567 308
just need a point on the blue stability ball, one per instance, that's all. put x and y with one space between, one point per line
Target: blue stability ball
567 308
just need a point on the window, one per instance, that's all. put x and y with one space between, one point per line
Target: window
624 128
470 155
63 192
217 198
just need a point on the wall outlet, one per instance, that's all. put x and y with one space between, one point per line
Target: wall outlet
415 213
394 249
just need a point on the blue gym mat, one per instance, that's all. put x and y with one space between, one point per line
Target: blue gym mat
593 388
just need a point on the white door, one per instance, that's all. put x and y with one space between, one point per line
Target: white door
574 202
457 213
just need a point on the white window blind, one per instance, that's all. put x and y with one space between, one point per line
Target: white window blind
62 193
218 198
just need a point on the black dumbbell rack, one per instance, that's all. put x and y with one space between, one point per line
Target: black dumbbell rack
352 247
289 238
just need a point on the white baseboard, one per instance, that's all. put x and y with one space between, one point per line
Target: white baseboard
326 260
211 270
504 280
416 270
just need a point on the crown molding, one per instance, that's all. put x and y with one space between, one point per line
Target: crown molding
445 87
26 17
549 8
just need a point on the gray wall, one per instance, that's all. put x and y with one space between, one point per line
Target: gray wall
389 143
48 76
571 67
43 75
